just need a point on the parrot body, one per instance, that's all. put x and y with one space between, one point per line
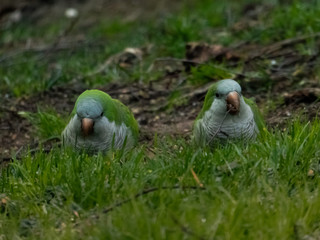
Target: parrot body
226 114
100 123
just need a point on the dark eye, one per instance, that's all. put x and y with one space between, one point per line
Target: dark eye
217 95
101 114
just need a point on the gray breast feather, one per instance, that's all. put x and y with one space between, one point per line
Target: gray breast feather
207 130
106 135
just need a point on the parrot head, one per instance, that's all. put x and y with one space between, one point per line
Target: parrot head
89 111
227 97
225 114
100 123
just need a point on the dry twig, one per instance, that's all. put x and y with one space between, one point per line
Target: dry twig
186 229
196 178
219 128
147 191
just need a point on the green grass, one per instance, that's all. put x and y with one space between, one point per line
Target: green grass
203 74
287 21
62 194
46 123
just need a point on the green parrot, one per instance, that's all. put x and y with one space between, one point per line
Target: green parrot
100 123
226 114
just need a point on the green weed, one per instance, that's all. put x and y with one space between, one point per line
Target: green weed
286 21
268 195
206 73
46 124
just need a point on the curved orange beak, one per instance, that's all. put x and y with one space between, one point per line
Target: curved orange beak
233 103
87 126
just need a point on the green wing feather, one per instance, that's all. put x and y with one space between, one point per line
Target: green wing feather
257 115
113 109
208 100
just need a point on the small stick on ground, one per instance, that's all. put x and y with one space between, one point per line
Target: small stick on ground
265 52
60 37
147 191
219 128
186 229
196 178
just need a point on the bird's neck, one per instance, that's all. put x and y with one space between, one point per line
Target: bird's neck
214 116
